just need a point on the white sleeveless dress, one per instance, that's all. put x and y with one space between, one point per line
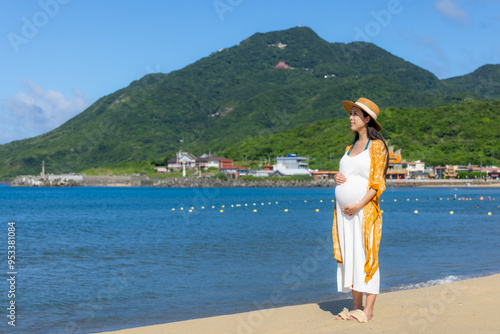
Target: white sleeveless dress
350 273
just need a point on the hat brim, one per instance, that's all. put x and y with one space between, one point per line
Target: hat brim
348 107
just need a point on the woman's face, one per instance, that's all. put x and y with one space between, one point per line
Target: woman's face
358 119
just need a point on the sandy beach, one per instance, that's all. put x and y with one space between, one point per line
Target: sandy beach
468 306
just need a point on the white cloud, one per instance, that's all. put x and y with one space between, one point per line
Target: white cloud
435 58
450 10
429 55
31 113
433 47
495 17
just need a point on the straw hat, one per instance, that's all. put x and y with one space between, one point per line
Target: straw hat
367 106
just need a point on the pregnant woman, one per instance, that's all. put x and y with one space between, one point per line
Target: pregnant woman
357 220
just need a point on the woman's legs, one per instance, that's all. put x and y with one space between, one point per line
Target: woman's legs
357 302
370 303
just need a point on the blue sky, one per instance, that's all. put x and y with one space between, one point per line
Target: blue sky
60 56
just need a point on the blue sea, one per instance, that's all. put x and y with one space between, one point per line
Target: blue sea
90 260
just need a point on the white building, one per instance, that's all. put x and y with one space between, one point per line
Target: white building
292 161
290 165
416 169
182 158
261 173
290 172
206 161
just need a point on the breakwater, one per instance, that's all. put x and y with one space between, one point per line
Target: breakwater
213 182
74 180
442 183
77 180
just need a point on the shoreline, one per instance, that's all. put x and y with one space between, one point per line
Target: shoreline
466 306
75 180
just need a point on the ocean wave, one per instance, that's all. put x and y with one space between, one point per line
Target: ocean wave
444 280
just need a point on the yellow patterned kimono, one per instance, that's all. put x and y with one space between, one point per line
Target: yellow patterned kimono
372 217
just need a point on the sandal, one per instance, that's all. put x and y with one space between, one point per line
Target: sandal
359 315
344 315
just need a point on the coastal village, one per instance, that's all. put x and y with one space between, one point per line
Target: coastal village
292 165
207 169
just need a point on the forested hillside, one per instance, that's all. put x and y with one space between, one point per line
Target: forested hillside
458 134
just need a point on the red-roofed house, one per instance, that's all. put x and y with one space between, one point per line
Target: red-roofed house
234 171
323 175
282 65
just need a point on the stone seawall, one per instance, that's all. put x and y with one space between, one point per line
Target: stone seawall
74 180
210 182
442 183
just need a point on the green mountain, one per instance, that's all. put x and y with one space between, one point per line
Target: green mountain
456 134
236 94
482 82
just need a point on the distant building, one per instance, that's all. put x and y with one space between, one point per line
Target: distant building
182 158
396 175
493 172
279 45
225 163
416 169
261 172
450 172
396 170
282 65
286 166
439 172
415 166
324 175
234 171
207 161
292 161
395 159
161 169
290 172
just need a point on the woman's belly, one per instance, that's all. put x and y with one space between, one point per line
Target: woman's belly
351 191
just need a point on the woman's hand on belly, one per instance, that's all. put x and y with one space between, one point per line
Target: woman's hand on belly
351 209
339 178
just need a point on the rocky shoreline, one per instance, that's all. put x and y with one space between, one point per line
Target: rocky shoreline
76 180
144 181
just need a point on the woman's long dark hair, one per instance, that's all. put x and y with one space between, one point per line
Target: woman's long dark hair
373 134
